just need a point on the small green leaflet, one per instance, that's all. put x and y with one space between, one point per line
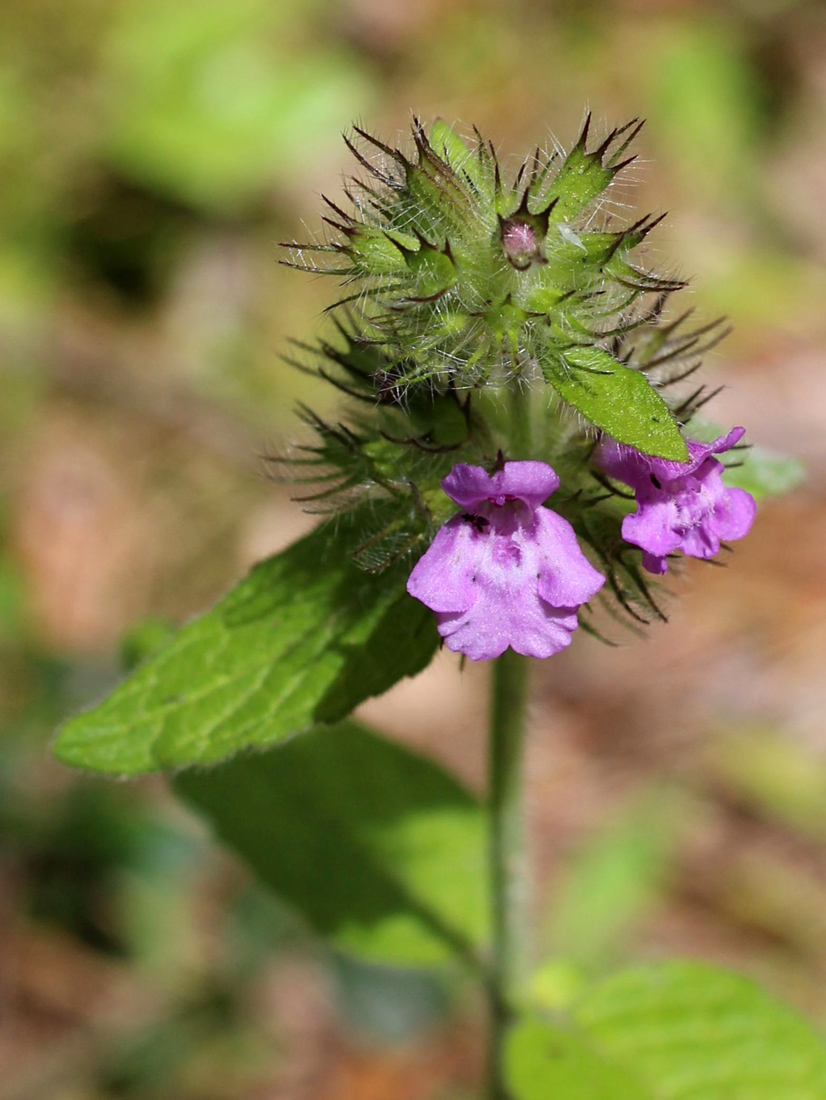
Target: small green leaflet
379 849
303 639
616 399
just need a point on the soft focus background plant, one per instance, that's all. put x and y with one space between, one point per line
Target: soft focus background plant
152 154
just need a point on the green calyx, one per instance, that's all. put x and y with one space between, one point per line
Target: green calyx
469 296
469 280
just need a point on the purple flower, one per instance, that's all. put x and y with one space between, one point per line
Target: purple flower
505 571
680 505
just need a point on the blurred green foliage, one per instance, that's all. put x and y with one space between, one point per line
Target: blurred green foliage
213 103
613 882
678 1030
151 155
378 849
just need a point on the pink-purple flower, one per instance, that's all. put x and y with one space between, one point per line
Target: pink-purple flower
680 505
505 571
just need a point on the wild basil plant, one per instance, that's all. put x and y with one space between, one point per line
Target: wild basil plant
520 455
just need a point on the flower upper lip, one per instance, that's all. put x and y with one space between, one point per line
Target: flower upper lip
529 481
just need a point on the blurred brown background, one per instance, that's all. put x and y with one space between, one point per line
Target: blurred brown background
152 154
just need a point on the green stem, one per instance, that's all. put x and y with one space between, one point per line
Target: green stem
507 880
506 877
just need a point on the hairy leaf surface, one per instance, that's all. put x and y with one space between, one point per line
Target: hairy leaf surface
616 399
305 637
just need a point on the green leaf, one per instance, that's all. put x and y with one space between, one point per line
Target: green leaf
679 1031
304 638
617 399
693 1032
379 849
144 639
545 1061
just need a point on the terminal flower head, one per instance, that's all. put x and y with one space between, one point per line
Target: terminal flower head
505 571
680 505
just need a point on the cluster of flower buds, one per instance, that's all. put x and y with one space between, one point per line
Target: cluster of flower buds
504 340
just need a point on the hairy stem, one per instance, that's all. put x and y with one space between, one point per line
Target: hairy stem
506 877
